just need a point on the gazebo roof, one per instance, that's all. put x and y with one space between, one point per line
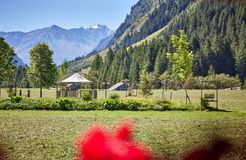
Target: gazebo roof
75 78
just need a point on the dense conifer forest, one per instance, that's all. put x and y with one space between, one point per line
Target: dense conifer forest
216 33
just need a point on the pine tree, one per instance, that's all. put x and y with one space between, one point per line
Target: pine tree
241 55
146 82
64 67
97 63
160 63
105 70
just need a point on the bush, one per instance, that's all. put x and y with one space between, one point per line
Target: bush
204 104
16 99
132 105
109 104
86 95
66 103
224 81
114 96
112 104
30 104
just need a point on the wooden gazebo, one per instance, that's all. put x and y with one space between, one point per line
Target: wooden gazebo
72 85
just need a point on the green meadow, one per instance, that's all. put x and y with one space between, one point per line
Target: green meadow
51 134
232 100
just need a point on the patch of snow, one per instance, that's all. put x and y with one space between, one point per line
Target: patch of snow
85 27
96 26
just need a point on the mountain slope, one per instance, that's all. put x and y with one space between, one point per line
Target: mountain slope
147 17
103 44
216 33
66 43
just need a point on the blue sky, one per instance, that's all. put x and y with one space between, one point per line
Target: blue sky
26 15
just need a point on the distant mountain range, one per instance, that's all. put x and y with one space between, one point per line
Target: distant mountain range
66 43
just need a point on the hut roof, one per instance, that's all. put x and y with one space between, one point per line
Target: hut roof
75 78
117 85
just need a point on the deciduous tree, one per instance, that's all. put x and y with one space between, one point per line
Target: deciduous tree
42 71
6 60
181 59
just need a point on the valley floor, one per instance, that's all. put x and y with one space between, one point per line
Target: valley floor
51 134
231 100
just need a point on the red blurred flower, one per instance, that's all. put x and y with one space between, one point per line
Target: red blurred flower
100 144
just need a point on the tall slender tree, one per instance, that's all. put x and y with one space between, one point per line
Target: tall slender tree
97 63
64 67
181 59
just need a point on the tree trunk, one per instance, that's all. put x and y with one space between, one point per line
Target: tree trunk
41 92
186 95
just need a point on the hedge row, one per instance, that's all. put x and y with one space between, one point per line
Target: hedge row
17 103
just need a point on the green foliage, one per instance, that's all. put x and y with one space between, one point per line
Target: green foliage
64 67
216 35
76 104
241 54
224 82
42 71
160 63
97 63
86 95
211 71
30 104
6 61
146 82
66 103
181 59
147 17
16 99
115 104
204 104
114 96
244 85
10 91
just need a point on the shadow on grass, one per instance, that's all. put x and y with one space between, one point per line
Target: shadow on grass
208 108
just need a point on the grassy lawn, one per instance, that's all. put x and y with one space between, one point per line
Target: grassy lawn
51 135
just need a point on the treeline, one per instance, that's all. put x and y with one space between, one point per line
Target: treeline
217 37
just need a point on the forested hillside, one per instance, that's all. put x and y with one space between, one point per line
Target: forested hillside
146 17
217 36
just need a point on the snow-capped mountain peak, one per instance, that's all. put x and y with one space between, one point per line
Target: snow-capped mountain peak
96 26
66 43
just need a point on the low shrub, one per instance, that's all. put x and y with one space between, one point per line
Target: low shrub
113 104
29 104
179 107
109 104
16 99
86 95
114 96
66 103
131 105
204 104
